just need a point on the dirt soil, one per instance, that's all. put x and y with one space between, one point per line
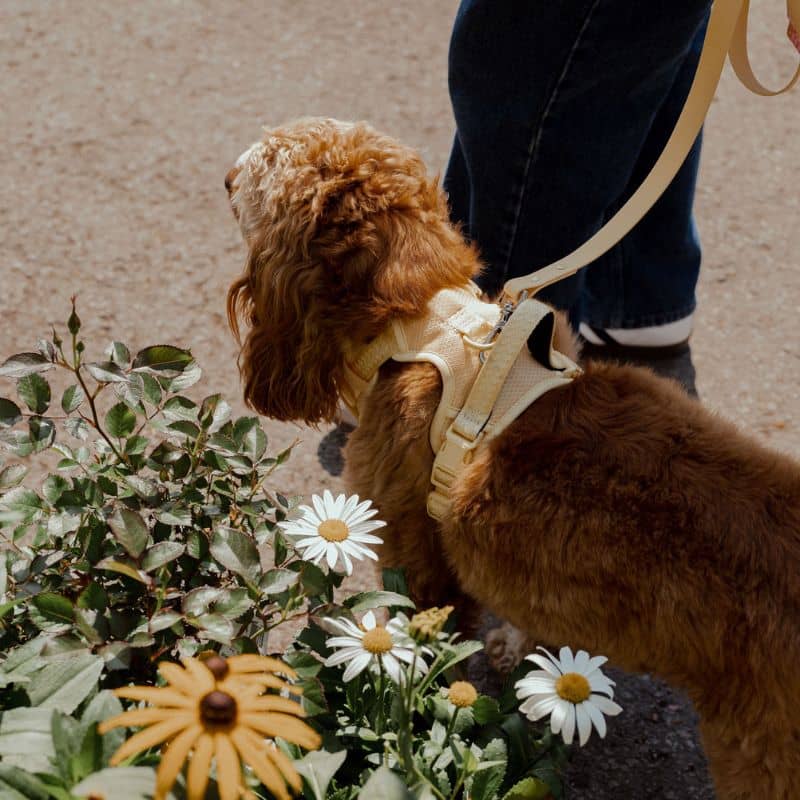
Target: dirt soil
121 119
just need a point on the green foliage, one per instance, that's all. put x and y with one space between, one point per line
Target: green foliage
155 538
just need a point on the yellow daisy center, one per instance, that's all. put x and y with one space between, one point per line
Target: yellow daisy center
462 694
377 641
573 687
217 710
333 530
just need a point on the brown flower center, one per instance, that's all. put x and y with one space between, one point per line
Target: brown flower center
573 687
218 710
377 641
216 664
333 530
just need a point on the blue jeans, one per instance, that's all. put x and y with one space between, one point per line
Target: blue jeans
561 108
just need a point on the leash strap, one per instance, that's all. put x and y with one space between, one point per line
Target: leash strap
727 34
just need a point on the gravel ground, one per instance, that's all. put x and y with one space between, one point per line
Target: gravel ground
120 123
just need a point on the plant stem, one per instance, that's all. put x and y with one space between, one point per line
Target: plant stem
90 397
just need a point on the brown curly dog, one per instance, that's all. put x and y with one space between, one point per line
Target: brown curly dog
616 514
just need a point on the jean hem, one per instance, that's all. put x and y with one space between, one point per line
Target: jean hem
645 321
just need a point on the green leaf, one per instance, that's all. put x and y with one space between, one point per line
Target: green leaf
10 413
315 582
489 778
63 685
250 437
12 476
54 607
136 445
72 398
23 502
176 516
106 372
19 783
77 427
39 436
190 375
318 769
120 420
93 597
214 413
25 739
179 407
528 789
118 353
487 711
150 389
276 581
22 364
214 626
53 487
163 620
385 785
160 554
124 568
121 783
236 551
35 392
130 530
162 359
377 599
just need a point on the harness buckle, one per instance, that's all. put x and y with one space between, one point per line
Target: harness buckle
508 309
447 466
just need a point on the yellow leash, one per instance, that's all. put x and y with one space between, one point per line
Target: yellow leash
726 37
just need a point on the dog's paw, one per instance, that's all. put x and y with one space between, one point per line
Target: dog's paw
506 646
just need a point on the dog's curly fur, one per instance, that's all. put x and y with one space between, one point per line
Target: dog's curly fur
616 514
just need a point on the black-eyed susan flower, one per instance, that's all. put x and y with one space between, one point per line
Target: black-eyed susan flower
334 529
216 710
572 690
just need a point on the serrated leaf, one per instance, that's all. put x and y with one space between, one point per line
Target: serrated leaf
120 420
54 607
118 353
65 684
250 437
162 359
276 581
384 785
232 603
106 372
236 551
130 530
12 475
19 784
76 427
144 487
151 389
160 554
197 601
377 599
179 407
214 413
35 392
176 516
136 445
39 436
528 789
22 364
53 487
72 398
22 500
10 413
214 626
190 375
123 568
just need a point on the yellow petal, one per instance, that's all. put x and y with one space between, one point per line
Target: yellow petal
203 677
157 696
249 662
265 680
134 718
289 728
273 703
172 760
199 766
285 765
179 678
150 737
229 771
254 753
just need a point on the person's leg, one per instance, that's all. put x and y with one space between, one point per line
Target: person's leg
554 104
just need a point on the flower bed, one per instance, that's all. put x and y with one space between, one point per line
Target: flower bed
153 565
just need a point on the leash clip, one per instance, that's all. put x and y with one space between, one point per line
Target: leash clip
508 309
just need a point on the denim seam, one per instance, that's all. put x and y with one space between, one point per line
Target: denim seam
533 146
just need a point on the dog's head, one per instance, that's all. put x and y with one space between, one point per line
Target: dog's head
344 230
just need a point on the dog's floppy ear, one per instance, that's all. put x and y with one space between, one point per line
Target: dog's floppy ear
291 359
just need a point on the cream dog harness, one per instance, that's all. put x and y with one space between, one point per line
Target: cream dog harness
489 375
487 382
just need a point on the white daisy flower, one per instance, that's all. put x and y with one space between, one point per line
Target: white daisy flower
334 529
571 689
373 644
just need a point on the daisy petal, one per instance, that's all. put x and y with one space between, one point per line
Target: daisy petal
357 666
596 716
559 715
369 621
568 728
331 555
319 507
566 659
545 664
608 707
584 723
